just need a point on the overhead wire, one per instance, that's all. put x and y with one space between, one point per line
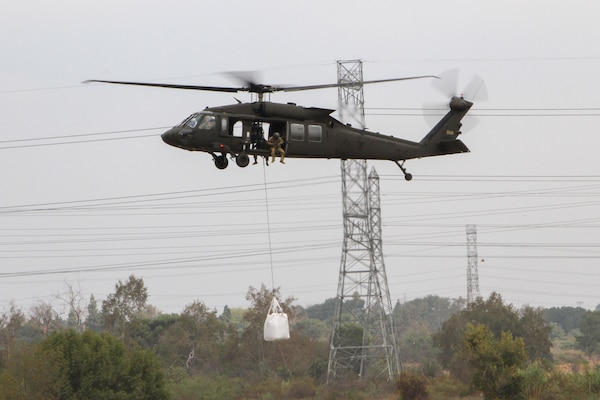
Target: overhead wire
487 112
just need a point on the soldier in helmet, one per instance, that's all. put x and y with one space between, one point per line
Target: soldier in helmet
275 142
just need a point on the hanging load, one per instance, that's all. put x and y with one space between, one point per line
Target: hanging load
276 325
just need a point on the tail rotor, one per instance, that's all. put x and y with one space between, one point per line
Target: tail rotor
448 85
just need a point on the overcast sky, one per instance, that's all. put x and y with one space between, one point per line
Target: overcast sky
90 193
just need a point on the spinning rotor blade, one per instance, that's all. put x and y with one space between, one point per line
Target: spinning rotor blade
447 85
173 86
476 89
348 84
254 87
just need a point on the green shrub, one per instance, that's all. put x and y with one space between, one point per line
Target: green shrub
412 386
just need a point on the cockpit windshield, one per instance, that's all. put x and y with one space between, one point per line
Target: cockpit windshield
200 121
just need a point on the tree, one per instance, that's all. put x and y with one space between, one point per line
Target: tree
498 317
147 332
324 311
536 334
121 307
44 319
77 312
314 329
416 321
226 316
29 375
428 312
93 320
195 341
97 366
589 340
10 323
568 318
496 362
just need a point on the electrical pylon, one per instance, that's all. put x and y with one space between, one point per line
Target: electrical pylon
472 273
363 342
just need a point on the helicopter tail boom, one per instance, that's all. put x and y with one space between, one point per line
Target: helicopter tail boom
443 138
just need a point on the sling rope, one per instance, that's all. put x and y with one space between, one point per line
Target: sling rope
268 226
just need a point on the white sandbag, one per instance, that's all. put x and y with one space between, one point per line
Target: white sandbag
276 325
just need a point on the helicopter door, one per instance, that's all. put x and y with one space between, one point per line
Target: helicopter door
280 127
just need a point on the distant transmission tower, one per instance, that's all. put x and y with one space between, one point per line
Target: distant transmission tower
363 342
472 274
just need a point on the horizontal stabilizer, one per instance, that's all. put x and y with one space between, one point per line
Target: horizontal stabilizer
452 147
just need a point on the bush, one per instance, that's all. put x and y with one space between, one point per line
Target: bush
412 386
301 388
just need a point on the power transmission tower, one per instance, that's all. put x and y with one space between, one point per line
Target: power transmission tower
472 273
363 342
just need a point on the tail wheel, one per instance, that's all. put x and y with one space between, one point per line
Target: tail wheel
221 162
242 160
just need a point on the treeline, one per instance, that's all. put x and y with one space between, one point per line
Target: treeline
124 348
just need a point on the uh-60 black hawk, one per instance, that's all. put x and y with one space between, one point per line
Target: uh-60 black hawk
237 130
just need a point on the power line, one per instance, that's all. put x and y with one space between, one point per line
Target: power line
75 141
487 112
80 135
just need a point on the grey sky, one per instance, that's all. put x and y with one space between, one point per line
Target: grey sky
103 209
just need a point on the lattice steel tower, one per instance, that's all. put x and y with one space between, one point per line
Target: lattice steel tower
363 343
472 273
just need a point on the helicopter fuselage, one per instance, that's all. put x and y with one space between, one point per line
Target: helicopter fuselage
240 130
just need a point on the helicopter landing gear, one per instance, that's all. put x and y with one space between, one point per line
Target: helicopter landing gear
221 162
408 176
242 160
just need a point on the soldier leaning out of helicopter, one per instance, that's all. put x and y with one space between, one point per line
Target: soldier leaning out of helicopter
275 143
257 140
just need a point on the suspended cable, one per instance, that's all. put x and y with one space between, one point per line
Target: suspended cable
268 226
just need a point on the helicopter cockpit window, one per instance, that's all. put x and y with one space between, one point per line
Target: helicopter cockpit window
192 121
207 122
201 121
186 121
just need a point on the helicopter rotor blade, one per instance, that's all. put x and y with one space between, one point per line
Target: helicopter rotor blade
447 85
173 86
476 89
254 87
345 84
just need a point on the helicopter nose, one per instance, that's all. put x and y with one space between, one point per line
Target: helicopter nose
170 137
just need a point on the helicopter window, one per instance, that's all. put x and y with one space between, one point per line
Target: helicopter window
224 125
297 132
207 122
237 129
315 133
187 120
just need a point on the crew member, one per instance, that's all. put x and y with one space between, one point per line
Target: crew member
275 143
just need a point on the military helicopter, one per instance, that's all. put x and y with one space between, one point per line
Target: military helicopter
237 130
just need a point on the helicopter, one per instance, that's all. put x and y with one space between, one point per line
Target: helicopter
237 130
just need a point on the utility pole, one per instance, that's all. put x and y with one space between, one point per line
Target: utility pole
472 273
363 342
